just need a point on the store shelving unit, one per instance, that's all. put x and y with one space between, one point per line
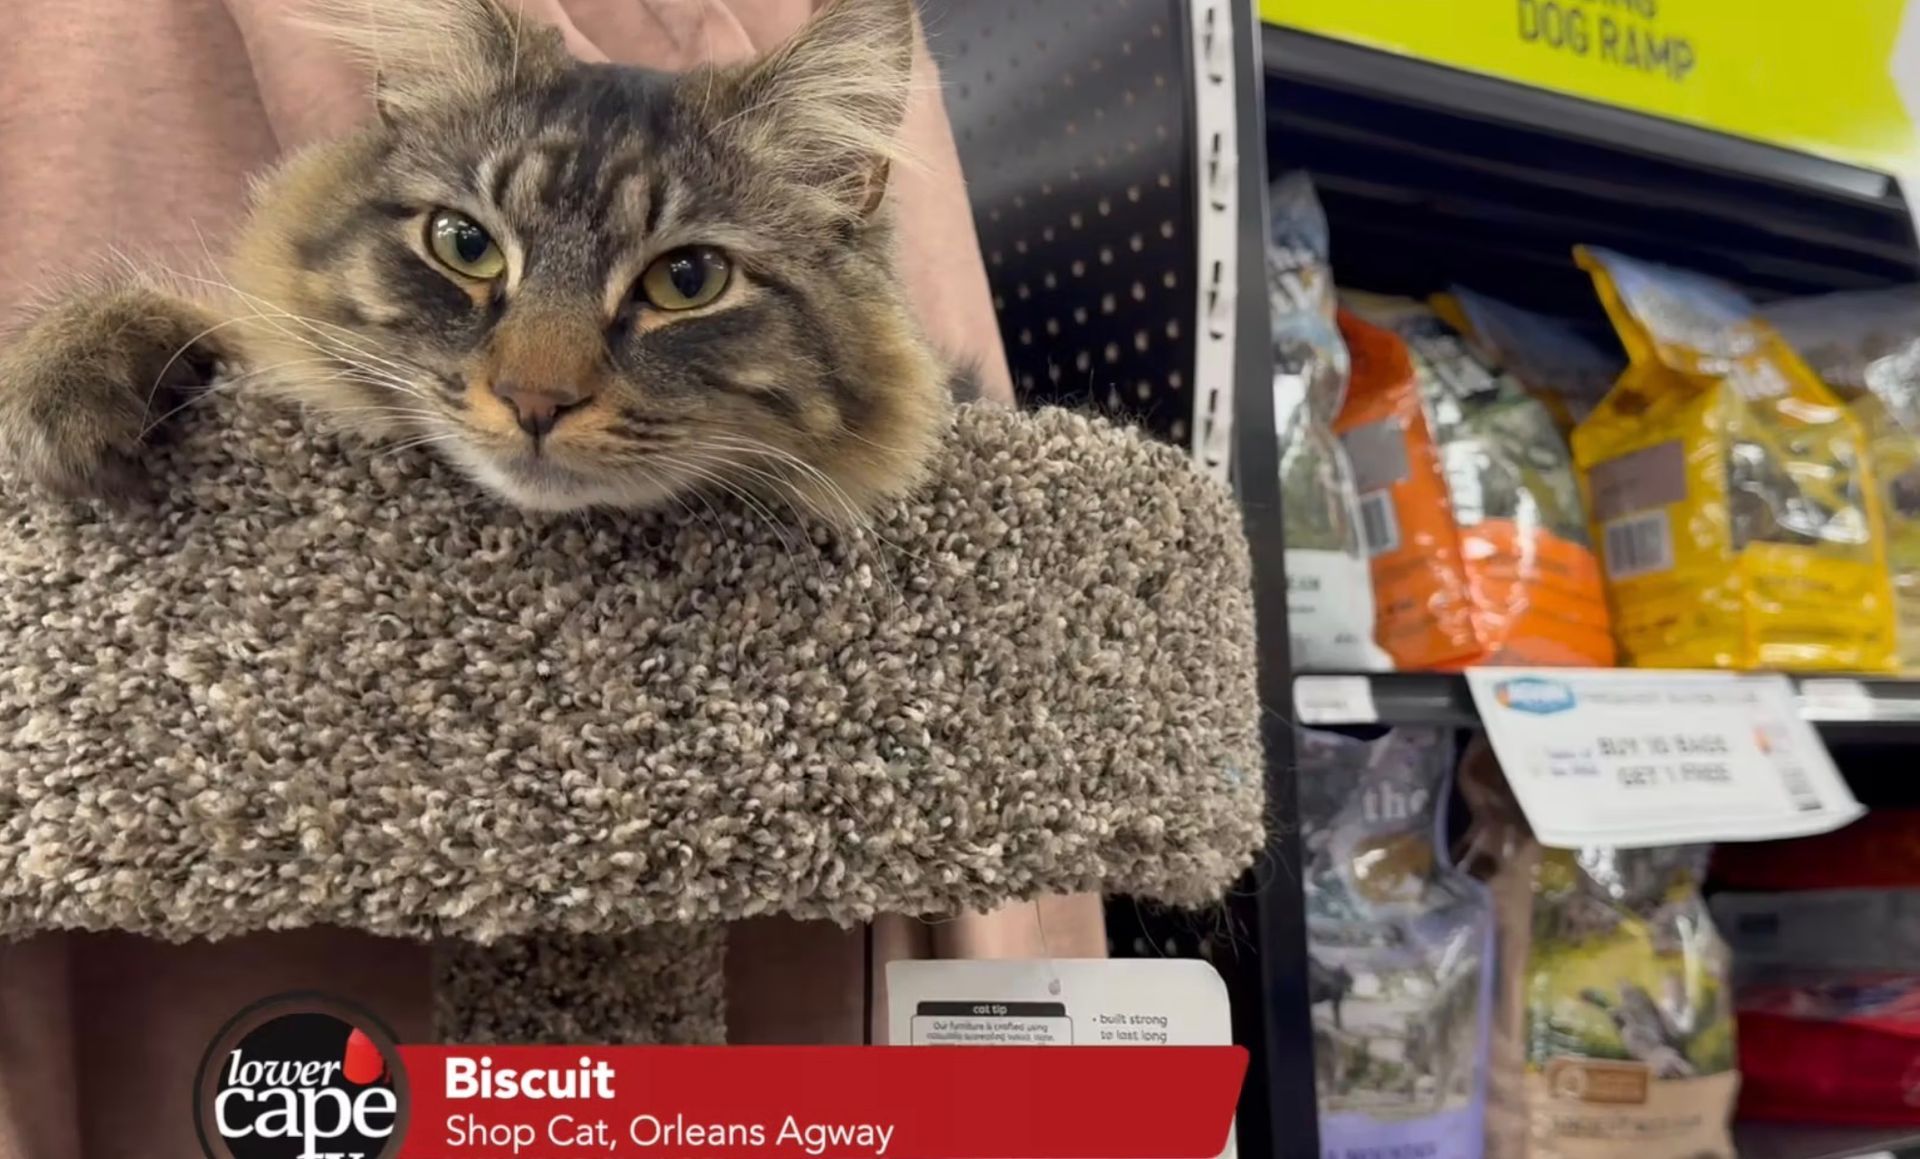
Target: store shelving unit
1117 153
1431 174
1784 1141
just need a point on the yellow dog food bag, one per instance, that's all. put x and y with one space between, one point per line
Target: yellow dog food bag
1731 492
1865 345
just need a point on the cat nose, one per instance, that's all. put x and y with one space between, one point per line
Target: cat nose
539 411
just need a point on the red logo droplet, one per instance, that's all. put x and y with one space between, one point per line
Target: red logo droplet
363 1063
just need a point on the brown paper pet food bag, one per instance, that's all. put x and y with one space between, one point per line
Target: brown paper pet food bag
1612 1019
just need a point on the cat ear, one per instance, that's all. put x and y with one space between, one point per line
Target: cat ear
425 54
824 110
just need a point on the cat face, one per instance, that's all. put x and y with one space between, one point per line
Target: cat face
586 284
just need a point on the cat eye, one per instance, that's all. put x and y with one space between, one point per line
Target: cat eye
686 278
458 243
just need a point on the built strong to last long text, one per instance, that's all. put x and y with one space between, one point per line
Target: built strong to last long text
1031 1024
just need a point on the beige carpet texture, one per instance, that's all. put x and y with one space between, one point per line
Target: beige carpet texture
314 683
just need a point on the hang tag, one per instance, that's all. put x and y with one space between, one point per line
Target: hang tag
1058 1002
1636 758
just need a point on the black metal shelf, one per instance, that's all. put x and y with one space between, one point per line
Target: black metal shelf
1843 704
1795 1141
1414 83
1431 175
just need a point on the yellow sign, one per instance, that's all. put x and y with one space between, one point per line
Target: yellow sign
1811 75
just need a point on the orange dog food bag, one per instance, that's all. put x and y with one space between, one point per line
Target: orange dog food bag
1498 559
1422 617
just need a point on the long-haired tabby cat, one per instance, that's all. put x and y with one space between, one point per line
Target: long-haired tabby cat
583 284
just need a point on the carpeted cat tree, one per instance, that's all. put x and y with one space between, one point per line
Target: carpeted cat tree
315 684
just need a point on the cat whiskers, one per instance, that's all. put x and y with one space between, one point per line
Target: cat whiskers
418 441
704 470
855 515
344 363
326 338
720 460
829 489
414 413
377 370
844 431
268 311
665 487
231 384
268 314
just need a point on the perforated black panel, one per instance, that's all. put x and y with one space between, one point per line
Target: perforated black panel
1072 122
1075 123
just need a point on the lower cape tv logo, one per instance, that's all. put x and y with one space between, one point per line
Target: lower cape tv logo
301 1076
1533 695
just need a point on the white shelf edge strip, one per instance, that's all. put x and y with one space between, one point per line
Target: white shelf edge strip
1216 60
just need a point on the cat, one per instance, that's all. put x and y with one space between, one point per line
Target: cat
584 285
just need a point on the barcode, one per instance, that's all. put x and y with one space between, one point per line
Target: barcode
1378 528
1639 545
1793 778
1799 788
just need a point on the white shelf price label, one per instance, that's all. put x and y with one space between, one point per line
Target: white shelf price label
1631 758
1829 699
1334 700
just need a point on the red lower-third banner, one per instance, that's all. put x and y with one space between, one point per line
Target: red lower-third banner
820 1102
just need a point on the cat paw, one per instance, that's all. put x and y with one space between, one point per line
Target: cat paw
84 388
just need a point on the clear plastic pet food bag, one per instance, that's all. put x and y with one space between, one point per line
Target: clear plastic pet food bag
1400 952
1330 608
